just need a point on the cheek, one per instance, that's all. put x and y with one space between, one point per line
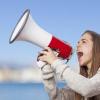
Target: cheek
88 52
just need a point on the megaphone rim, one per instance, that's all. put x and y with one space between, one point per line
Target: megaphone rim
26 11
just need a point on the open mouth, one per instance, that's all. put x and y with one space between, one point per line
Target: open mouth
79 54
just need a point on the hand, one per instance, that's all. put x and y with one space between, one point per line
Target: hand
47 55
41 64
47 72
48 77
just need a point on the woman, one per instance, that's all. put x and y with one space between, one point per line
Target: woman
82 86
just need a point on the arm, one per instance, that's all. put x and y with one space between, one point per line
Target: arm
50 86
54 92
50 83
84 86
48 79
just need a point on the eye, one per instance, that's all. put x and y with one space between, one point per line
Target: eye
78 42
83 41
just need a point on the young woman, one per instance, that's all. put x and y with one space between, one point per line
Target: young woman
82 86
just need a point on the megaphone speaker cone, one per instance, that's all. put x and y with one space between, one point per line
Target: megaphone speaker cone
20 25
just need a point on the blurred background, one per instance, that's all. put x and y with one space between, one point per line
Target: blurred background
20 78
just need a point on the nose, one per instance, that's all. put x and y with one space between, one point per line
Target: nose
78 44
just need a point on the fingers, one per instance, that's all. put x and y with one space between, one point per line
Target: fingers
42 58
47 55
47 48
47 71
41 64
41 55
48 76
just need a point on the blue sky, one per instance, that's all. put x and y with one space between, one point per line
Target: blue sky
66 19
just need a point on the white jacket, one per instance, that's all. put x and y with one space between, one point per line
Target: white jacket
78 83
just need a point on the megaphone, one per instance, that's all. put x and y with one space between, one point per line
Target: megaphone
27 30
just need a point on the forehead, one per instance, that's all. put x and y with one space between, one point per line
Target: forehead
86 36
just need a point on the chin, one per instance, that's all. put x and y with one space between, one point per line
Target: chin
81 64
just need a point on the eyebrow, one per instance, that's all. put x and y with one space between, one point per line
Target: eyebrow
81 40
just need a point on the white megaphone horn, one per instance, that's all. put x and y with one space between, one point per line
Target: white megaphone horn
27 30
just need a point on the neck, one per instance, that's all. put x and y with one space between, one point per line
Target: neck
89 68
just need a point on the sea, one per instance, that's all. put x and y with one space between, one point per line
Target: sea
24 91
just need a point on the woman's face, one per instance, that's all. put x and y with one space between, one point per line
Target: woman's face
84 50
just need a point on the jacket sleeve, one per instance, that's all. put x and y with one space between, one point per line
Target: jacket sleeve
78 83
51 88
62 94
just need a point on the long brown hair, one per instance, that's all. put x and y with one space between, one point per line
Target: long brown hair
95 61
